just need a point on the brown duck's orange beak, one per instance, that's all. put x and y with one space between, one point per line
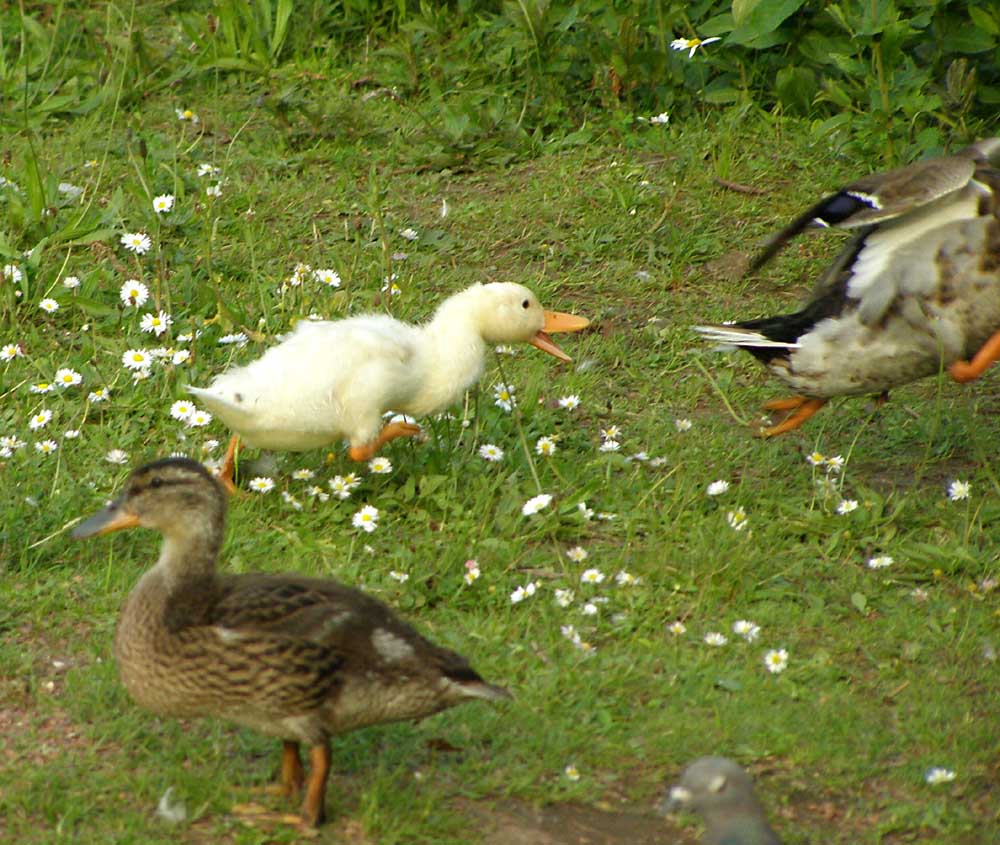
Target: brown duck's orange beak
112 518
555 322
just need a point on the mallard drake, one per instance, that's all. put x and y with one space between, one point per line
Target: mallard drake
298 658
917 288
722 794
330 380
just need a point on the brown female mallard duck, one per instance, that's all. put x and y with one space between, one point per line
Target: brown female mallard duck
916 289
297 658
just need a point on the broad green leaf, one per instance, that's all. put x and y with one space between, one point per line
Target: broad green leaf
984 20
763 19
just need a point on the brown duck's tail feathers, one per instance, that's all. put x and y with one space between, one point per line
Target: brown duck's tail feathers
730 336
482 689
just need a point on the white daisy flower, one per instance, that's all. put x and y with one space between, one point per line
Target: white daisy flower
835 463
612 432
577 554
737 519
71 282
208 170
186 116
714 638
49 305
564 598
846 506
163 203
572 773
102 394
71 434
959 490
303 474
214 190
237 338
880 562
262 484
396 575
682 424
137 242
366 519
503 396
137 359
68 378
10 351
180 356
746 629
776 660
490 452
816 459
626 579
471 571
46 447
156 323
182 410
409 234
12 273
609 446
536 503
198 419
570 402
677 628
585 512
545 446
692 44
330 278
717 488
591 576
937 774
660 119
134 293
40 420
380 466
41 387
117 456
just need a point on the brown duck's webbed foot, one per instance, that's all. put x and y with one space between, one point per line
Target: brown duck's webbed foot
228 468
292 775
390 432
963 371
802 411
313 811
791 403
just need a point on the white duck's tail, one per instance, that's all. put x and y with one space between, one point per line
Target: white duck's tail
733 336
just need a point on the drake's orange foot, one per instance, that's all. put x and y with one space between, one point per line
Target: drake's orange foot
788 404
390 432
805 409
963 371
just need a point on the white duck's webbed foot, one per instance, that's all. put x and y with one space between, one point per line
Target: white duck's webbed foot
390 432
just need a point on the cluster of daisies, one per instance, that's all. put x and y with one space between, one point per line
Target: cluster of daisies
775 659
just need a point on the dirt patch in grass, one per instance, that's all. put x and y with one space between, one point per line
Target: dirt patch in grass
517 823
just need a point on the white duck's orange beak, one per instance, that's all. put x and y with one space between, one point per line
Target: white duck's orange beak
555 322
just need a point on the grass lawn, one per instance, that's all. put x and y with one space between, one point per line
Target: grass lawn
891 671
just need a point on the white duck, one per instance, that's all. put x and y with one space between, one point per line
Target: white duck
330 380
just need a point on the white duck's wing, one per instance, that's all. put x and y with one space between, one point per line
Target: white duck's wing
325 381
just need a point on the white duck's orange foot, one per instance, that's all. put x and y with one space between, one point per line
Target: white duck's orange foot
802 409
228 468
963 371
390 432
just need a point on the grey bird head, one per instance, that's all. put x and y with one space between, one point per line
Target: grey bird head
722 794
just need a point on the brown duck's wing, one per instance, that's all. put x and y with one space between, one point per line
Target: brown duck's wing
879 197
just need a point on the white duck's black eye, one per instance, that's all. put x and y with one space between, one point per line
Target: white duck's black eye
526 305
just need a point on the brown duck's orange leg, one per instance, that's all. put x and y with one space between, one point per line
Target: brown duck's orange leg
390 432
806 409
789 404
313 811
963 371
292 775
228 468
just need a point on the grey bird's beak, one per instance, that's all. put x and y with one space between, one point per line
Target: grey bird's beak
676 799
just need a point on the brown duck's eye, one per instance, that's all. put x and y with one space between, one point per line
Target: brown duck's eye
525 305
156 482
